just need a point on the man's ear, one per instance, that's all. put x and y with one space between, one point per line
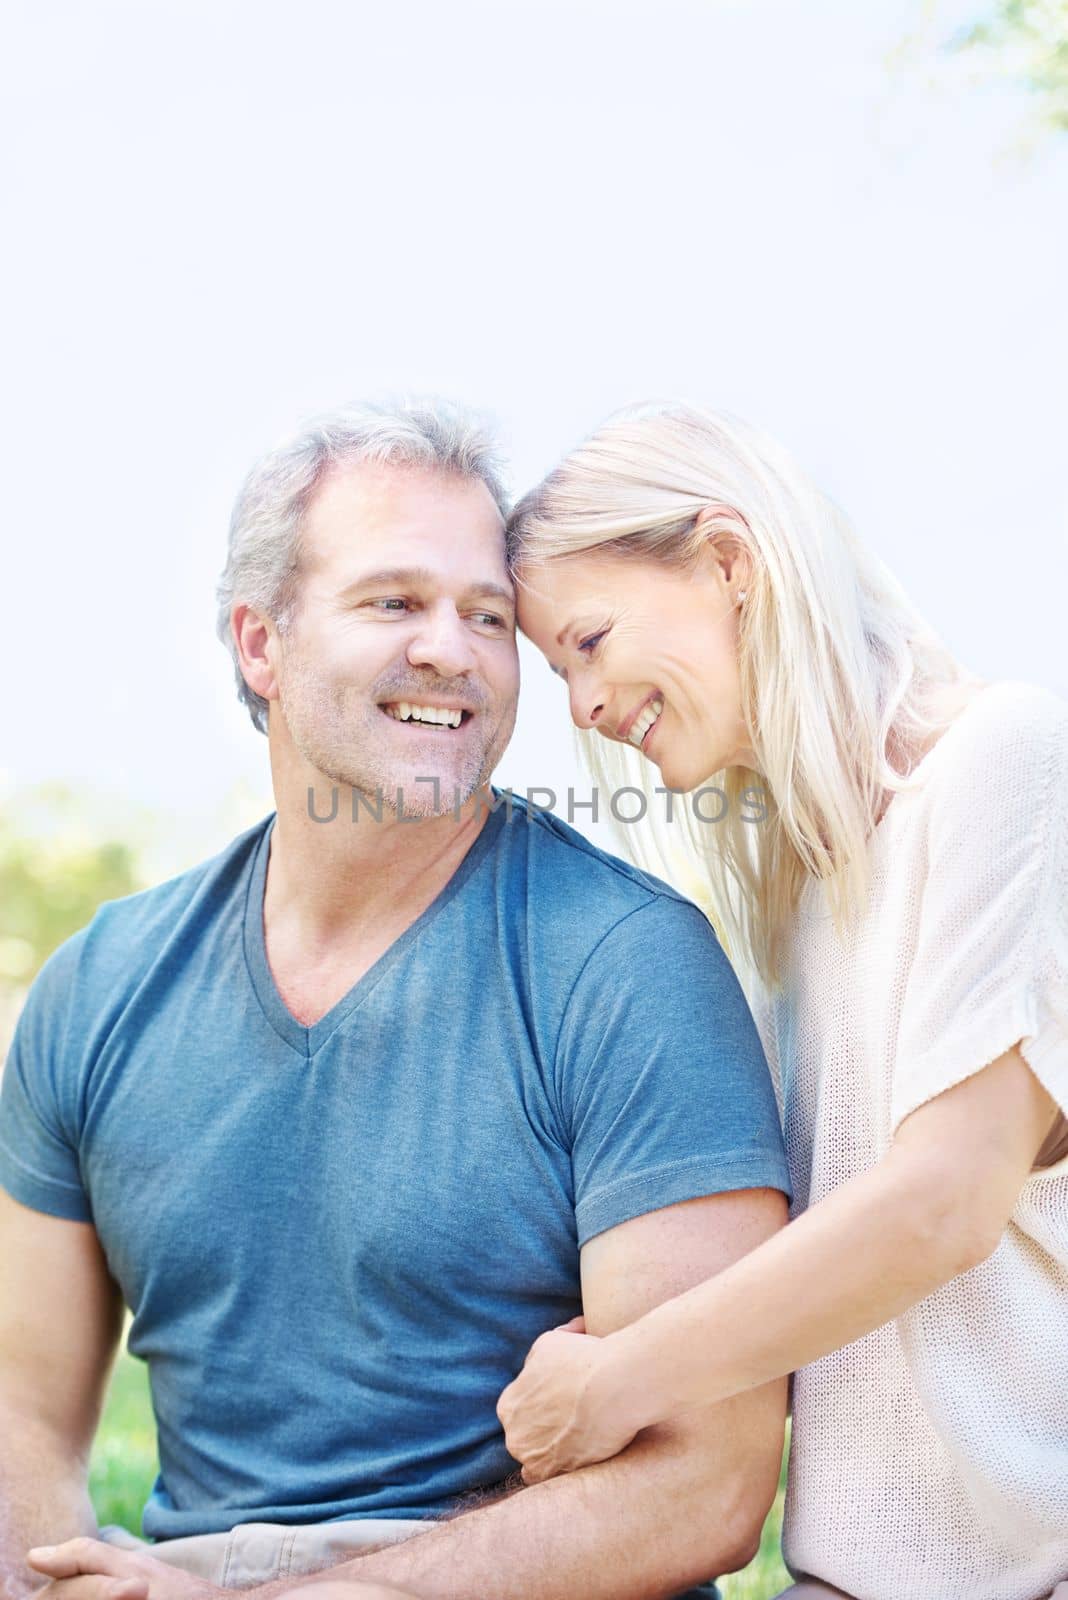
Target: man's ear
256 639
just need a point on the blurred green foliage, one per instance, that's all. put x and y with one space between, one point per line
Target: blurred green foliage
1026 41
55 869
123 1466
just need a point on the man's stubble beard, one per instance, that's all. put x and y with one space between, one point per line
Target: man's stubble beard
344 746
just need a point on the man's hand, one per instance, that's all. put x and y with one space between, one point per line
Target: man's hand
89 1569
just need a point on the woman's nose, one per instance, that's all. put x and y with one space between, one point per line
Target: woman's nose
587 706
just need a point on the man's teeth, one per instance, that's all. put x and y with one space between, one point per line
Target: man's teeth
644 721
403 712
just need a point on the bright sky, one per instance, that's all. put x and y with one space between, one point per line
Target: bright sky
224 216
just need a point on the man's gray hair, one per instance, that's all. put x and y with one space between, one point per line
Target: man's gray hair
263 563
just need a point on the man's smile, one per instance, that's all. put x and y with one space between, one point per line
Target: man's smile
428 716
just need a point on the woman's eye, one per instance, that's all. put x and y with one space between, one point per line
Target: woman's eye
589 645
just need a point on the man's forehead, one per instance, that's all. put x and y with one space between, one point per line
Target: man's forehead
371 515
380 489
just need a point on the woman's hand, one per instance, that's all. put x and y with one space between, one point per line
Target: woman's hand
556 1416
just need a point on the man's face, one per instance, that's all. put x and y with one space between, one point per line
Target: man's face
405 604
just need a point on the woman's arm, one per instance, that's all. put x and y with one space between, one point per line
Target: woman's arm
936 1205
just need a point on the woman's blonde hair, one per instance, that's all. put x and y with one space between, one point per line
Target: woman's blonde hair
842 682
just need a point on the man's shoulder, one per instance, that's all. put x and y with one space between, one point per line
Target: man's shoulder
571 883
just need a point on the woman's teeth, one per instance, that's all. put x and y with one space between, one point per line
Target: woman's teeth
644 721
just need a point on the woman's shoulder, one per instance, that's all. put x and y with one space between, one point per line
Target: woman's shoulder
1007 731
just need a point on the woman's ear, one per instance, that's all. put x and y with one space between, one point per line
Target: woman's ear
723 547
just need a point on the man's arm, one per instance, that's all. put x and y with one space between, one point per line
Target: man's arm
681 1504
60 1321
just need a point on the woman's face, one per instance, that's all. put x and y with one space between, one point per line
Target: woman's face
649 655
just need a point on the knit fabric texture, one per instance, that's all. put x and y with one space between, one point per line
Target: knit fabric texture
930 1459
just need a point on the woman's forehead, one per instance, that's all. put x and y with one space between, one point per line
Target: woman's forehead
555 589
575 579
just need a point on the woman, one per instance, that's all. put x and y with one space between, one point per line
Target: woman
900 917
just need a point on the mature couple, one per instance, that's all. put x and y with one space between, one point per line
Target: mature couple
353 1113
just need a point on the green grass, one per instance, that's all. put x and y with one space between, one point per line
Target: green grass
124 1467
765 1576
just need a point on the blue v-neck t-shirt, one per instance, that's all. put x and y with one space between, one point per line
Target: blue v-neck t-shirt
338 1242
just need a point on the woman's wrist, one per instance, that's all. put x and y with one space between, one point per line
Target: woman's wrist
626 1381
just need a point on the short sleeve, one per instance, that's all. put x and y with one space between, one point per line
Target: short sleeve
660 1074
38 1156
990 969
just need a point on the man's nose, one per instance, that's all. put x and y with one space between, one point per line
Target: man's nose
441 640
587 705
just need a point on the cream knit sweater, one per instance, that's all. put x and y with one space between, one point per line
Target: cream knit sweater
930 1459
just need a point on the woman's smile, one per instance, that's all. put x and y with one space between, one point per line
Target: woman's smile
638 729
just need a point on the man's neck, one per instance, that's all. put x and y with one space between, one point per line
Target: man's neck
333 882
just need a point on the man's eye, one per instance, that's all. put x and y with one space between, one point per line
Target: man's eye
390 602
589 645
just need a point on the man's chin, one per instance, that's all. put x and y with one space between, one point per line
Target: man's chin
418 792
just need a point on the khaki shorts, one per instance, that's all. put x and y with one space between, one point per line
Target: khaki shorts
260 1552
811 1589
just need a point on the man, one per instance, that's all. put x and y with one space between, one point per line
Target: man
351 1113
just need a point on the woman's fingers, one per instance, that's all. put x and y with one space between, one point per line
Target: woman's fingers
539 1471
556 1416
538 1410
